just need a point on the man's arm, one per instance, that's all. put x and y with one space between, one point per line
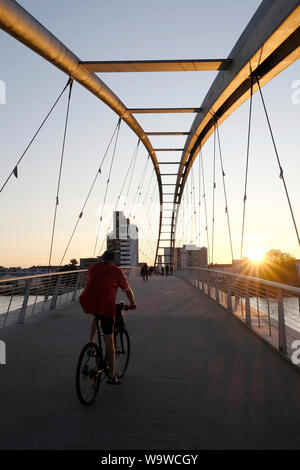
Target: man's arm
130 296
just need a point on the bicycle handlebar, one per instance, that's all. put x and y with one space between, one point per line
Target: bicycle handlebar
125 306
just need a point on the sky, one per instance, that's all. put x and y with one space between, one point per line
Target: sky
118 30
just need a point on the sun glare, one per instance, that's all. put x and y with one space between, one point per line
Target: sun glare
256 255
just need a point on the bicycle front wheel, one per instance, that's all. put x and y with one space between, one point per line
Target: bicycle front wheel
87 376
122 346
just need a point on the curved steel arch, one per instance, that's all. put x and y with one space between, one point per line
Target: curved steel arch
17 22
269 44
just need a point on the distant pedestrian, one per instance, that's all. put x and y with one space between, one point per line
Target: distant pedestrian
167 270
145 272
162 272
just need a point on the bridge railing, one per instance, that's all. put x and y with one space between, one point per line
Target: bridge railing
270 309
23 297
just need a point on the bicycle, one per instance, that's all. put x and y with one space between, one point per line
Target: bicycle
91 366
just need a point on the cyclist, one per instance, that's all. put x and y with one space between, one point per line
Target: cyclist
99 298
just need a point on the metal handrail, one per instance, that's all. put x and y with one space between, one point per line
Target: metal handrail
251 278
270 309
21 297
24 278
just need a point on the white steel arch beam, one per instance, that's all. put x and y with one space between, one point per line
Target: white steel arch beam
269 44
17 22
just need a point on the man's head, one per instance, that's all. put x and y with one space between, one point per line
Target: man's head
108 256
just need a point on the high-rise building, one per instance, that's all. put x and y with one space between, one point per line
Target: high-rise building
167 259
190 256
177 257
159 261
123 241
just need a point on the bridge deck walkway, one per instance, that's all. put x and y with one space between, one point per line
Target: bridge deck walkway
198 379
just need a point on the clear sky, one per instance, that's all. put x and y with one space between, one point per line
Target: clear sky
137 29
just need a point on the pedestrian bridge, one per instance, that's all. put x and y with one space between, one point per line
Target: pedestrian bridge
215 355
198 379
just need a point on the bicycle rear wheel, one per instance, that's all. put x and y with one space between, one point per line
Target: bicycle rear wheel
122 346
87 376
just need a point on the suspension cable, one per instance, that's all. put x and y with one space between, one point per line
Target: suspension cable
132 171
199 201
146 194
180 217
132 161
70 82
194 202
15 169
225 192
247 166
151 217
281 175
141 216
186 234
99 171
189 182
145 215
107 185
205 207
138 191
213 198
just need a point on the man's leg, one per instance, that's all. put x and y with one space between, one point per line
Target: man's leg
110 353
93 330
107 326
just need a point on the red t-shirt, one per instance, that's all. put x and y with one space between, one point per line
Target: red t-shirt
100 292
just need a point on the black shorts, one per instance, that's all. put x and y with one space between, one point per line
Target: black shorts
107 324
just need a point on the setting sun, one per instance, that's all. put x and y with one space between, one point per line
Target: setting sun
256 254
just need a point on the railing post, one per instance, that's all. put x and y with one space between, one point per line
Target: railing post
248 309
75 288
25 301
55 293
217 291
9 304
281 324
208 284
229 303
